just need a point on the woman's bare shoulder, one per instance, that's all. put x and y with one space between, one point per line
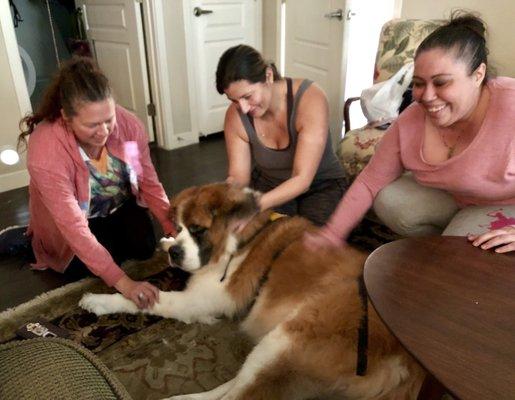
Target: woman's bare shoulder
233 126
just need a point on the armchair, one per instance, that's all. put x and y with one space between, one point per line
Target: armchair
398 41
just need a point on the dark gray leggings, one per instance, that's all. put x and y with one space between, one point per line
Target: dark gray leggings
317 204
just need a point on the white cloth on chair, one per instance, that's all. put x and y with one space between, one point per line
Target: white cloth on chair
380 103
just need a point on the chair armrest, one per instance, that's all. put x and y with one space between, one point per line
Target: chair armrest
346 108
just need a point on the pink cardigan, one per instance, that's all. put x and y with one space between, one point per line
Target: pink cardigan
483 174
60 194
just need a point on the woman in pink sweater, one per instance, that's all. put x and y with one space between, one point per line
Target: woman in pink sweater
458 142
91 181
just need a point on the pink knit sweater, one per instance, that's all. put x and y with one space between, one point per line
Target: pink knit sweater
60 195
483 174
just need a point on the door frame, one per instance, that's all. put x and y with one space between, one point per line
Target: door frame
191 57
158 73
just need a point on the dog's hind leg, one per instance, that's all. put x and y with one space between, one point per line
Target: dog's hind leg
267 373
214 394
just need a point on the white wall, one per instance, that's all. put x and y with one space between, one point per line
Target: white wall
498 15
14 99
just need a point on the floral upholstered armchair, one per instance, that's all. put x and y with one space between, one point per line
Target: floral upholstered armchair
398 41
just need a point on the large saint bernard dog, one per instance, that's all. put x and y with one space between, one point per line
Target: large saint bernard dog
302 308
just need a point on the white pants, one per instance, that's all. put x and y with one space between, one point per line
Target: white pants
410 209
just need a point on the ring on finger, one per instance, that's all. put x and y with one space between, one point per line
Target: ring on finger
141 296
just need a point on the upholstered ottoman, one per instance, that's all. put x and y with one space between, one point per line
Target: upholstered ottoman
50 369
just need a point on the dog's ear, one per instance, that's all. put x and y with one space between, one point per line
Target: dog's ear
239 203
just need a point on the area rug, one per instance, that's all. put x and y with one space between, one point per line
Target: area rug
154 357
151 357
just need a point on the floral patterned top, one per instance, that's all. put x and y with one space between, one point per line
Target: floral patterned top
110 188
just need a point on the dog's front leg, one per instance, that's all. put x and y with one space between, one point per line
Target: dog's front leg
196 303
101 304
170 305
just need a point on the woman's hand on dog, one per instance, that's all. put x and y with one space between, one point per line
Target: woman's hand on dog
321 238
502 239
143 294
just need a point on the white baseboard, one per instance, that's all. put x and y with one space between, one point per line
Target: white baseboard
14 180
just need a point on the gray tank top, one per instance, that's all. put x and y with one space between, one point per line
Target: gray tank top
277 165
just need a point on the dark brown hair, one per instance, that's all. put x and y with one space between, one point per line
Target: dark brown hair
78 81
242 62
465 34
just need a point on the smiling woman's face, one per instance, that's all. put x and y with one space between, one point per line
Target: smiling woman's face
443 85
93 123
250 98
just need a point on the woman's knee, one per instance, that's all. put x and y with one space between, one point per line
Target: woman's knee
475 220
319 203
410 209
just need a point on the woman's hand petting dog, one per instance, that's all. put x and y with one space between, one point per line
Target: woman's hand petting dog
503 239
320 239
143 294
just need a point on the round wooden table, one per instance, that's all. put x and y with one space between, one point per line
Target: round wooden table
452 306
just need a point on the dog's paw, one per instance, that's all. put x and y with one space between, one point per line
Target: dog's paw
96 303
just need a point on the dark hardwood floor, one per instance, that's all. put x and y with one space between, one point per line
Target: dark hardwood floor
177 170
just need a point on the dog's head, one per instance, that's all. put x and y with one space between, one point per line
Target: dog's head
207 217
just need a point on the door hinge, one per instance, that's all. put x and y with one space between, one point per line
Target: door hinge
151 110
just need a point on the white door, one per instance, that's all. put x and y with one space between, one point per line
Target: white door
217 25
116 31
334 43
314 37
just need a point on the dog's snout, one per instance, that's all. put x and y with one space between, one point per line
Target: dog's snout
176 253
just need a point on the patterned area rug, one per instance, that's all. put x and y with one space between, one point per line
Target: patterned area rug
153 357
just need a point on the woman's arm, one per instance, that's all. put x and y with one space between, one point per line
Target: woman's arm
312 127
56 190
383 168
237 147
57 194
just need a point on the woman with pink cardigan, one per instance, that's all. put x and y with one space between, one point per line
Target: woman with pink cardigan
91 183
458 142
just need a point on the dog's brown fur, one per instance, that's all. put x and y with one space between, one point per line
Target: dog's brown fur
324 332
302 308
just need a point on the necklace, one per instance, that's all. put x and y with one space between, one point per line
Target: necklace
450 149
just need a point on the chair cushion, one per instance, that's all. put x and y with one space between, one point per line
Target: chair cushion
49 369
397 44
356 149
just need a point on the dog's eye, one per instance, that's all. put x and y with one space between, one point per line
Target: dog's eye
196 229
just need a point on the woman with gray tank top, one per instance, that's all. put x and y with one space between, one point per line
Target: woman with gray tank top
277 137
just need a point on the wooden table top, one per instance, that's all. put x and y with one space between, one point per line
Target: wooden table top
452 306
